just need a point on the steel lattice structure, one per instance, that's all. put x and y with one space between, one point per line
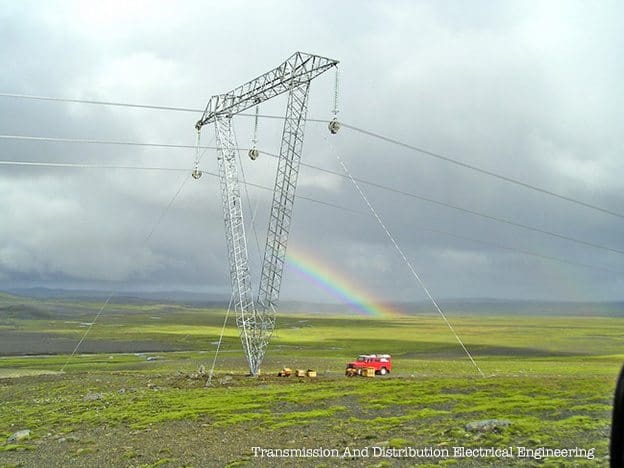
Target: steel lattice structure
256 320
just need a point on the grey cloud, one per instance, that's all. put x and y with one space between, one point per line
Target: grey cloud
531 90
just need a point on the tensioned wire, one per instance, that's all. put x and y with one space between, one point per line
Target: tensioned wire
214 360
442 157
363 131
323 203
380 186
403 256
146 168
112 293
245 182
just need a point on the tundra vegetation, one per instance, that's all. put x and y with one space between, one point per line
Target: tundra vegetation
551 377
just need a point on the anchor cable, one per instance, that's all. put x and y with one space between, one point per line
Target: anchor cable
404 257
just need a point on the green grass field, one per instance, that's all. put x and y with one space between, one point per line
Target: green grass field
551 378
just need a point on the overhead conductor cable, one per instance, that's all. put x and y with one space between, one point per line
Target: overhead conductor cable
352 127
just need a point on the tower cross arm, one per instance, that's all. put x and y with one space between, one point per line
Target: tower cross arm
299 68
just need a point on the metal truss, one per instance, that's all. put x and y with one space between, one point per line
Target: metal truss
256 322
298 68
235 232
283 200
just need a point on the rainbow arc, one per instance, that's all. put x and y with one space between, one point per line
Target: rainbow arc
335 283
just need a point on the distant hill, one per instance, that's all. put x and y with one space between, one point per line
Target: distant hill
458 306
471 306
515 307
125 297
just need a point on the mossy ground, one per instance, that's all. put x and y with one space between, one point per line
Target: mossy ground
552 378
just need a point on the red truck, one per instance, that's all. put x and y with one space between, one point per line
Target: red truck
382 363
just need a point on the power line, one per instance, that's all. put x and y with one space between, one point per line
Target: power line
165 169
505 221
374 184
352 127
442 157
520 251
100 142
327 204
96 102
90 166
472 167
136 106
465 210
469 211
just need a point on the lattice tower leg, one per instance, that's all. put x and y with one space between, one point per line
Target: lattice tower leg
281 212
246 316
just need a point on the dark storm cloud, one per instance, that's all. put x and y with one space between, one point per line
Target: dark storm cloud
530 90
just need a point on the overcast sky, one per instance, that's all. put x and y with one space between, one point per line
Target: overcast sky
529 90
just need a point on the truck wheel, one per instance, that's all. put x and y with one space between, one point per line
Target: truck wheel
383 371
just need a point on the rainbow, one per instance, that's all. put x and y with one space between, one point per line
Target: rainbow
328 279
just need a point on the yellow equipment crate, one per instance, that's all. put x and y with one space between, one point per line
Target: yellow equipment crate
369 372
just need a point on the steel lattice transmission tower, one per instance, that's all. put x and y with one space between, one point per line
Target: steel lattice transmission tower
256 319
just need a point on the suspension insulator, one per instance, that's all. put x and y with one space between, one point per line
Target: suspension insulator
334 126
253 154
196 173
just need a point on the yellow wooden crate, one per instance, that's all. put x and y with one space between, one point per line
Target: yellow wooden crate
369 372
285 372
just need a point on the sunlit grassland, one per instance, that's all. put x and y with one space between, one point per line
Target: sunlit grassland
575 335
421 344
